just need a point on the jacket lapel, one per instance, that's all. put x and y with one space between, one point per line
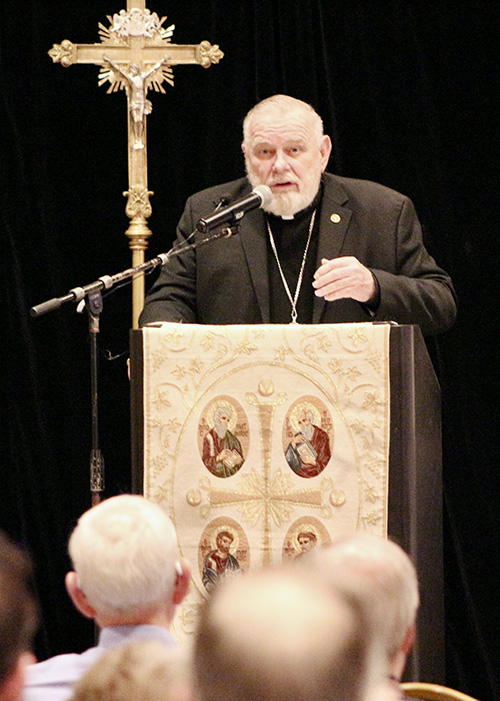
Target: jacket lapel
334 220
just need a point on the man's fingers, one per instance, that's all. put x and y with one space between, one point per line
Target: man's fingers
343 277
332 265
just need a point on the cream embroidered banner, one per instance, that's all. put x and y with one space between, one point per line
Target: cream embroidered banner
264 441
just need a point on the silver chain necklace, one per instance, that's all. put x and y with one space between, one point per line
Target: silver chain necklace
293 301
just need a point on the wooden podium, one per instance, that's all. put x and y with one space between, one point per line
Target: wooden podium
415 486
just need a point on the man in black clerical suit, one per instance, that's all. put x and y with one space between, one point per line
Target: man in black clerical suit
325 249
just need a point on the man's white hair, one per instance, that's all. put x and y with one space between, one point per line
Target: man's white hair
281 105
222 410
308 413
125 554
381 571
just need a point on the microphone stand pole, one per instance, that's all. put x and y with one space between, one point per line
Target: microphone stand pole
94 307
92 297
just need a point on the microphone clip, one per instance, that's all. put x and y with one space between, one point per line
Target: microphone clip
230 230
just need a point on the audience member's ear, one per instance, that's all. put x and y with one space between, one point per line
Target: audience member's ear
12 687
409 639
77 596
183 570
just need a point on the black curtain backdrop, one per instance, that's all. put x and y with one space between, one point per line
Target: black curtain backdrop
408 91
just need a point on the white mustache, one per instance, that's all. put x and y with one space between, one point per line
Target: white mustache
282 182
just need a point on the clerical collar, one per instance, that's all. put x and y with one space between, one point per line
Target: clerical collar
307 210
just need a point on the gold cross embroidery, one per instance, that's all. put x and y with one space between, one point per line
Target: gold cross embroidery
267 497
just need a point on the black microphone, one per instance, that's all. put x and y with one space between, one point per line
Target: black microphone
259 197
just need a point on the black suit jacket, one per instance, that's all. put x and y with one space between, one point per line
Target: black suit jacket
226 281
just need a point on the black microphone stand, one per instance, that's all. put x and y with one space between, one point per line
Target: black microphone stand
93 299
94 307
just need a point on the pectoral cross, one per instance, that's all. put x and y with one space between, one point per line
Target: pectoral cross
136 54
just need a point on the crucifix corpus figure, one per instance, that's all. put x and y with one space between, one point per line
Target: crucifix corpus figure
139 105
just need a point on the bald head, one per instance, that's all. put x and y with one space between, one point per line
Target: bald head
278 634
281 106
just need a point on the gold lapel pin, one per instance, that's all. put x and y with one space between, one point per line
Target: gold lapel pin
335 218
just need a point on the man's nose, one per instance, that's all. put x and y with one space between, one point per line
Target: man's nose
280 162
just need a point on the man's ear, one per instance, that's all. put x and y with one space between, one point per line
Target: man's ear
325 150
182 582
409 639
77 596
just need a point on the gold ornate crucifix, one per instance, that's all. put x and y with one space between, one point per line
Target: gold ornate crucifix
136 54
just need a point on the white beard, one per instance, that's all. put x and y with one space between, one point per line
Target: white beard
289 203
308 431
220 430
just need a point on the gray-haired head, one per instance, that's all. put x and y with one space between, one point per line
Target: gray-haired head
125 554
379 571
